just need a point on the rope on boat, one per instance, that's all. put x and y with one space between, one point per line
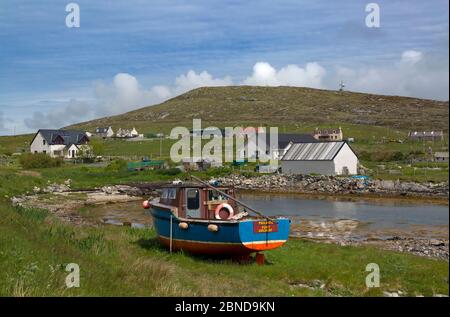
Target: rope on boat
231 197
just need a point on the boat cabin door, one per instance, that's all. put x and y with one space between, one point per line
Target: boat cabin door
192 202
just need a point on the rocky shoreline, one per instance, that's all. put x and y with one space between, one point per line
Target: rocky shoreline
307 184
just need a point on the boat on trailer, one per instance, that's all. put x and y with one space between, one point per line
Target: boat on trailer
199 218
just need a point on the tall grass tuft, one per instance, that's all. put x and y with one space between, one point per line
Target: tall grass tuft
33 214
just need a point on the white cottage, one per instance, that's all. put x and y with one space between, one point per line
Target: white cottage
324 158
59 143
104 132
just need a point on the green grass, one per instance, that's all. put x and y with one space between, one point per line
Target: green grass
15 180
34 251
15 144
419 172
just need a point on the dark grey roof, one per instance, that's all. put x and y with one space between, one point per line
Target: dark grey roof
101 130
319 151
286 138
69 136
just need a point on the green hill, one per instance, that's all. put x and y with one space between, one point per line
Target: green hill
293 108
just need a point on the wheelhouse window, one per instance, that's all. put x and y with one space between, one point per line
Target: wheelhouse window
193 201
172 194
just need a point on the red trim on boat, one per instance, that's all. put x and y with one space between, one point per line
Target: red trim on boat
198 247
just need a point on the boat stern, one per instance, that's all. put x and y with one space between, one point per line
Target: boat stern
262 234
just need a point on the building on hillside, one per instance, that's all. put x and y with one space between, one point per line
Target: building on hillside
324 158
328 134
441 157
60 143
127 133
426 135
284 142
105 132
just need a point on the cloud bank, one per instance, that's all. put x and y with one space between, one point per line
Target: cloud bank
264 74
413 74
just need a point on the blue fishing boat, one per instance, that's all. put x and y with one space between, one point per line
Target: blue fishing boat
203 219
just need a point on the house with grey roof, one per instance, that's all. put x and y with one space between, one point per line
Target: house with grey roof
104 132
324 158
60 143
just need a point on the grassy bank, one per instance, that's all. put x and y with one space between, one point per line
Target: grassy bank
35 249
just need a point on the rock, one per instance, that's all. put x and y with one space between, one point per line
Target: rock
437 243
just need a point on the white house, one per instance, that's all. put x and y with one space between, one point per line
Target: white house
59 143
125 133
106 132
325 158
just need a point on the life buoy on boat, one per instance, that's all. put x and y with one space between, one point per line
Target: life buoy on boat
223 212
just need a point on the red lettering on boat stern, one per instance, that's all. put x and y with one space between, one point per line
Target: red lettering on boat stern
265 226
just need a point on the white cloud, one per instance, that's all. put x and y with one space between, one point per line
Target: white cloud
264 74
411 57
193 80
72 111
125 93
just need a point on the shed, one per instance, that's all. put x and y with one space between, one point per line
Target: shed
324 158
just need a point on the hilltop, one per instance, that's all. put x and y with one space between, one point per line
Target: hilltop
291 107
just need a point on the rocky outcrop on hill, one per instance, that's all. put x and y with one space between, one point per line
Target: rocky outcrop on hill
336 185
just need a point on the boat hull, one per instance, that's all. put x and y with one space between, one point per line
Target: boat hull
238 237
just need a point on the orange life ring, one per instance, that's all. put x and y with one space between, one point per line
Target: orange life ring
220 207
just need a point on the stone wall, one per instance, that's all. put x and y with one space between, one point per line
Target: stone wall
336 185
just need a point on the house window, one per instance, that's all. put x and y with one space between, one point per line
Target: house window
43 142
45 152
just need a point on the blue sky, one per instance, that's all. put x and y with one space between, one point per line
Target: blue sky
128 54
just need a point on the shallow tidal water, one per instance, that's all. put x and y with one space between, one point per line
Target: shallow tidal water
314 217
